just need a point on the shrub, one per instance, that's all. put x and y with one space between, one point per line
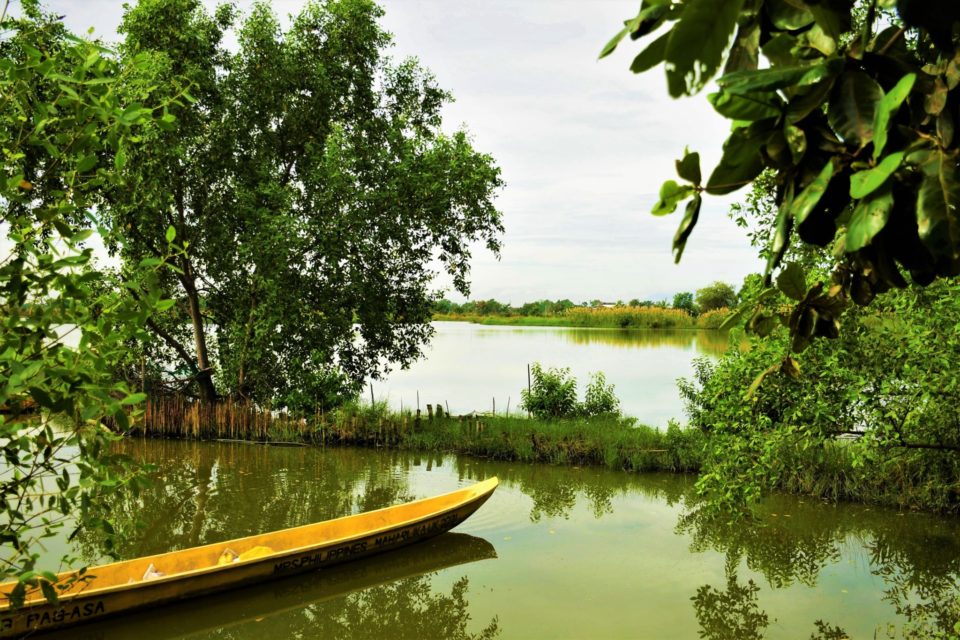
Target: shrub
553 394
599 398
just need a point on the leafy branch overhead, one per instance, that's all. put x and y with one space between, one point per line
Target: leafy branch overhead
852 105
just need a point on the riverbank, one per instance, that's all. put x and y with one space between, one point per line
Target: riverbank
606 440
600 318
828 473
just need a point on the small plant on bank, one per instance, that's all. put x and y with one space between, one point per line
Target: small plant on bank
599 398
553 394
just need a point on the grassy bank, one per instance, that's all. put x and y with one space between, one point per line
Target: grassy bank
609 441
897 480
602 318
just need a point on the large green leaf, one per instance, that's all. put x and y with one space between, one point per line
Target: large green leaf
853 106
797 140
781 233
779 77
779 50
887 109
613 42
742 160
804 203
863 183
689 221
746 106
804 103
869 218
788 15
697 44
934 101
792 281
652 55
688 167
671 193
832 18
938 206
744 52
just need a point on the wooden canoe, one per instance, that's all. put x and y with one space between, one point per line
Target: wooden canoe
120 587
274 605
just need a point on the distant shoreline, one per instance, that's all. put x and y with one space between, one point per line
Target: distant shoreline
604 318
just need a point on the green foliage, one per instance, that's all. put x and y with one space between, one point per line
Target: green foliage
66 320
731 613
880 417
311 183
849 124
599 398
716 296
553 394
684 301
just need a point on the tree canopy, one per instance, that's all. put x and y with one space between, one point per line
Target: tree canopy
718 295
312 186
851 106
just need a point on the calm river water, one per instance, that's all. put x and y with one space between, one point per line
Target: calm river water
558 552
469 366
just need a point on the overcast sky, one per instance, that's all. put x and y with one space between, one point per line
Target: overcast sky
583 144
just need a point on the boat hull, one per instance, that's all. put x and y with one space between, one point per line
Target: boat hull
348 538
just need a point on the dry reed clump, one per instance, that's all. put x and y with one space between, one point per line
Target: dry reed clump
630 317
712 319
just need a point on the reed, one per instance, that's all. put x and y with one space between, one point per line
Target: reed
602 318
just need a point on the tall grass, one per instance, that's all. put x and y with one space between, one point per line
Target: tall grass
712 319
603 318
903 479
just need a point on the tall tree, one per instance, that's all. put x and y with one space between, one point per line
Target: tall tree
313 188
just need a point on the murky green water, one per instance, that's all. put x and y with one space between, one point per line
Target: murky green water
474 367
557 552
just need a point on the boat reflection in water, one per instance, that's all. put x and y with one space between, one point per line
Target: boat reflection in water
388 595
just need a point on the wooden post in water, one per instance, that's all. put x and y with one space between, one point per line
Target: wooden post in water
429 411
494 406
416 422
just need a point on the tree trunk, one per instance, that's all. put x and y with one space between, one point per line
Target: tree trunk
204 375
241 376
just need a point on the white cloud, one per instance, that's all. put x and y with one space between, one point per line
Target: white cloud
583 144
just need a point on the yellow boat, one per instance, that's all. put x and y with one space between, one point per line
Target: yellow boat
288 607
150 581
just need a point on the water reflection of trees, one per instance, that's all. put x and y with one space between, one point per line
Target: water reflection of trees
713 343
207 492
556 490
917 556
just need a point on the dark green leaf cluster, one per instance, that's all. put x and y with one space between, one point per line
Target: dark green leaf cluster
852 114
